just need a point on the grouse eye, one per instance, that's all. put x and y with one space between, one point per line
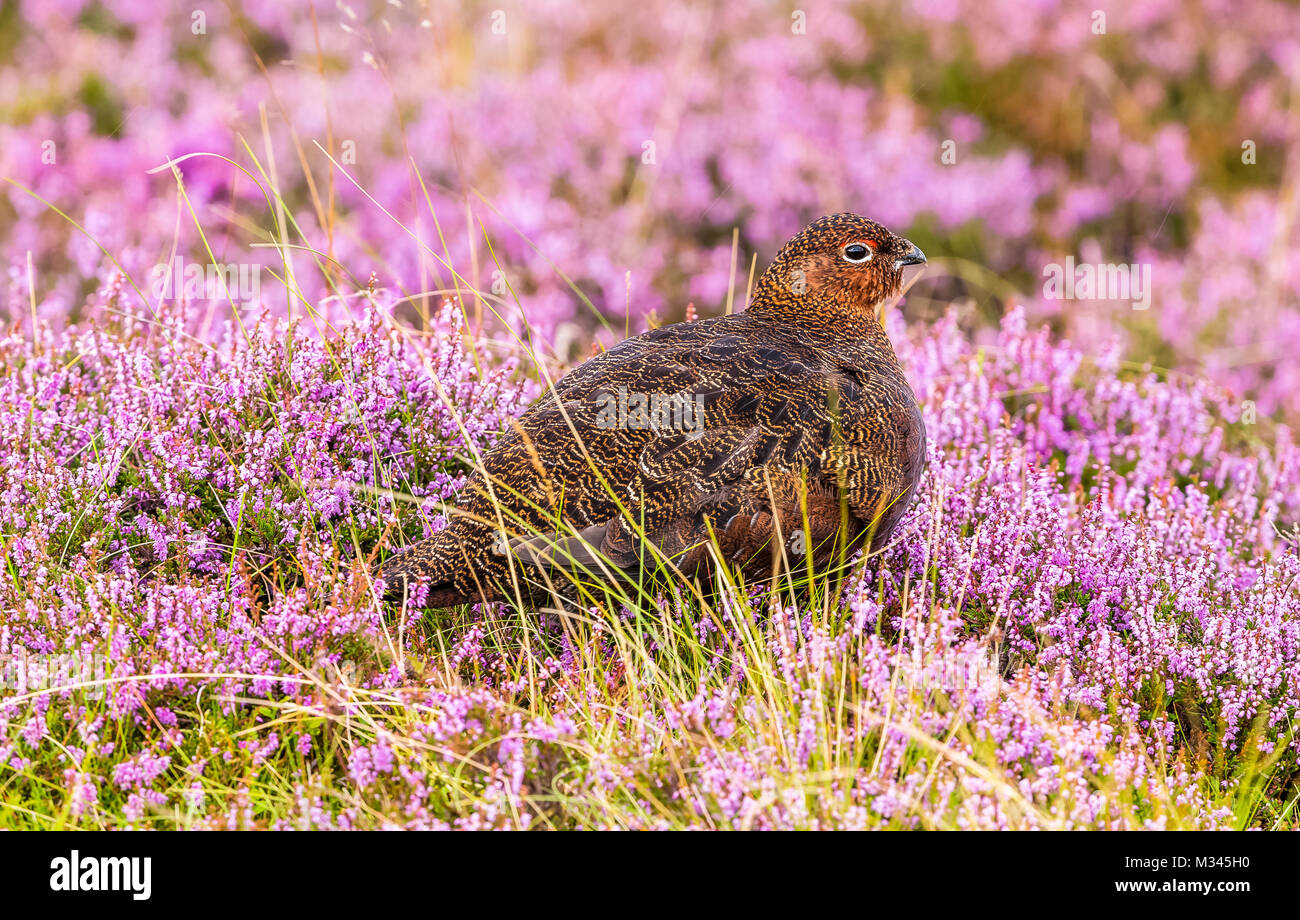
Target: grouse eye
857 252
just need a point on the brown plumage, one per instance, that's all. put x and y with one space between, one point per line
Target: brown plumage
797 405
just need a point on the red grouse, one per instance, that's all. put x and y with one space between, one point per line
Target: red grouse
785 426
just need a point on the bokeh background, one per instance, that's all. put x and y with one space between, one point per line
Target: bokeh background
604 163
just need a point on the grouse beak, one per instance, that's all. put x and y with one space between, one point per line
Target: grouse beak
913 256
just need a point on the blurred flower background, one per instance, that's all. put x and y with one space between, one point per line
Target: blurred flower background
196 485
590 141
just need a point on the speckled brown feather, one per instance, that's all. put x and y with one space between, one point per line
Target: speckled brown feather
804 406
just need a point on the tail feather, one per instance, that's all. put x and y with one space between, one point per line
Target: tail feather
443 561
434 559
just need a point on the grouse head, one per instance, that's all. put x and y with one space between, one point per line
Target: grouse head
836 271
